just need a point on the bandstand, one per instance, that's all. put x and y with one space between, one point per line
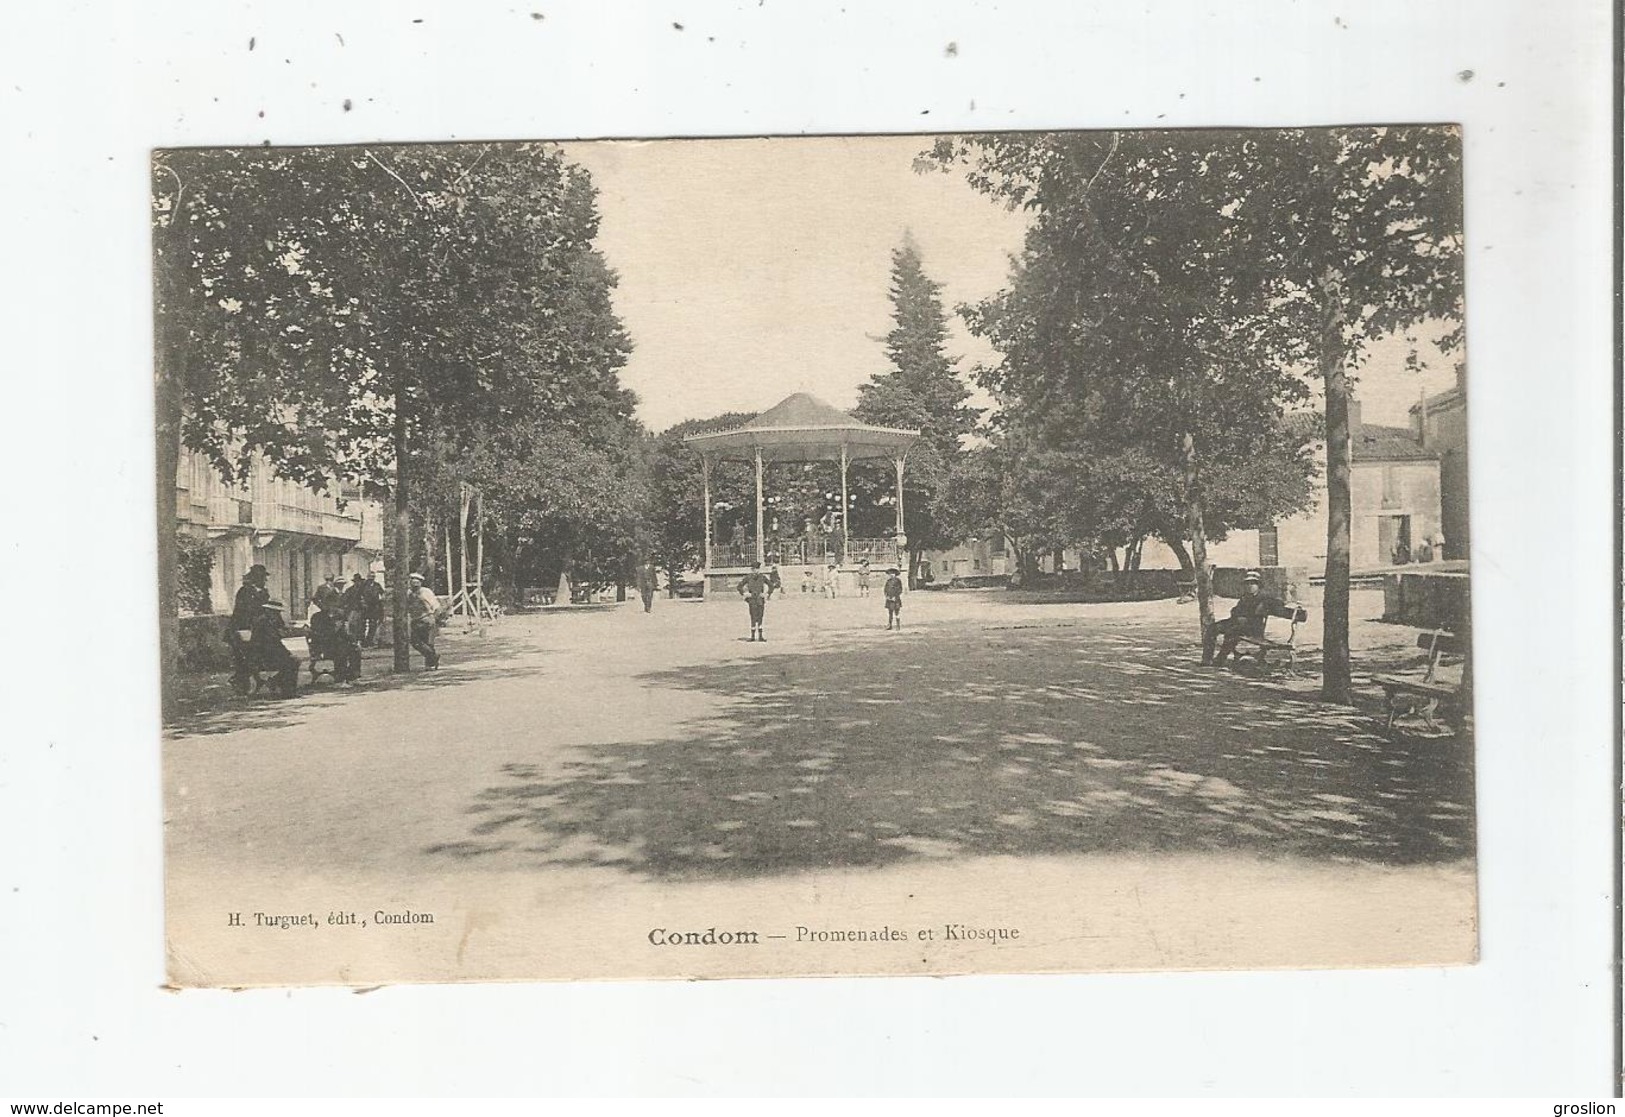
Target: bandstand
802 429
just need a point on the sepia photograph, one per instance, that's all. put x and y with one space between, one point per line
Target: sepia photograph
1010 552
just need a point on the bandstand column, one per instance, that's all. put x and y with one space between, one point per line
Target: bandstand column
846 508
761 549
898 461
705 482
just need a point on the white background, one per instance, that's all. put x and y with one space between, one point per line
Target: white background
87 89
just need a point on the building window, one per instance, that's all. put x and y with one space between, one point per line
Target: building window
1269 547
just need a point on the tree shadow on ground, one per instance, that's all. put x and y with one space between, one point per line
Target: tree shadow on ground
209 706
1044 741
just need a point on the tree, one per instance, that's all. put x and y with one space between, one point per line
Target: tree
1368 236
570 506
1008 488
921 391
1269 252
1140 326
342 310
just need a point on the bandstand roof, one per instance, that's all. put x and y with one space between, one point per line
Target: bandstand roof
804 428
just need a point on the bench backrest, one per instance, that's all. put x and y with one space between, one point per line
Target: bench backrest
1297 614
1439 643
1442 642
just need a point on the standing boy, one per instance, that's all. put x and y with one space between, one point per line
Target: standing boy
753 588
893 592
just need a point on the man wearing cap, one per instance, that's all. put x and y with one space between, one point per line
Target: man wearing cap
267 652
1246 619
423 607
892 591
753 588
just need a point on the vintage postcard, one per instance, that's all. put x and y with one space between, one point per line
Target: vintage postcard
1014 552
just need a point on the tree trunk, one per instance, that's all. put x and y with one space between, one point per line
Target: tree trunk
1335 668
167 389
451 570
1196 515
1111 557
431 541
462 539
479 543
401 637
1177 546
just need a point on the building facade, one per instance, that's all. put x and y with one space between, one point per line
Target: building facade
300 536
1439 423
1395 505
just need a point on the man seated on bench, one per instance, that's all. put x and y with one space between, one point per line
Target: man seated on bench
1246 619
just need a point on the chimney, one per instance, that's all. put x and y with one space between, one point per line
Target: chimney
1422 417
1355 425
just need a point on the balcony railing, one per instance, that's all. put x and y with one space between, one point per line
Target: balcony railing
272 515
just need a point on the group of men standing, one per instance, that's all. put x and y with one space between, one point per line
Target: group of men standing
345 620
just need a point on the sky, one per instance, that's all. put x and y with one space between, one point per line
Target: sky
751 269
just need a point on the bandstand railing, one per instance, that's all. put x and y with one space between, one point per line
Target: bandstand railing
805 552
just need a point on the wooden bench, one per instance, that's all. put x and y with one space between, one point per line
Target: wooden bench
1262 647
1430 694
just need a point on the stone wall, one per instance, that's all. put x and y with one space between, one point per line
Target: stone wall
1285 583
1432 599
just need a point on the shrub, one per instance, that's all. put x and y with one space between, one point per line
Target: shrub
196 561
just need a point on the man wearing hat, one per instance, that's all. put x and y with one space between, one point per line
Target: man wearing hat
892 591
753 588
244 609
423 607
250 596
353 606
1246 619
267 652
372 609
